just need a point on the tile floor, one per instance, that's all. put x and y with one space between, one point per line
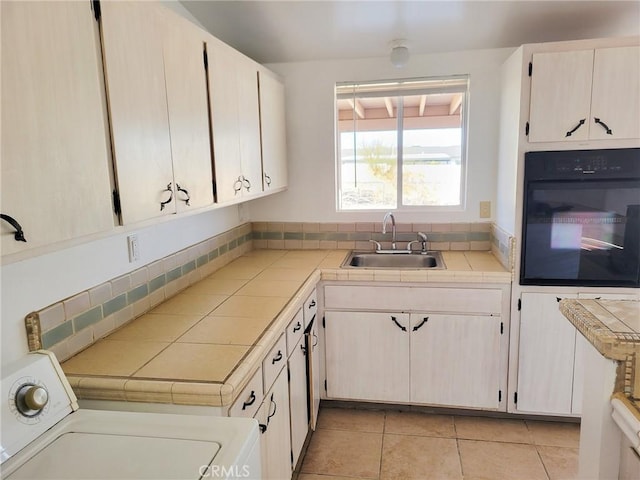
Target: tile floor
385 444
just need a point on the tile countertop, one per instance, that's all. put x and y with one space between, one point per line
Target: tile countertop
202 346
613 328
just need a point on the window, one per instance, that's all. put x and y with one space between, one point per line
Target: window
401 144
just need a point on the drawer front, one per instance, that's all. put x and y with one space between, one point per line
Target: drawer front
295 330
421 299
249 400
273 362
310 308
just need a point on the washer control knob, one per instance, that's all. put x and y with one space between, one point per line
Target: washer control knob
31 399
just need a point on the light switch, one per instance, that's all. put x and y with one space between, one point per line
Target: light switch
134 248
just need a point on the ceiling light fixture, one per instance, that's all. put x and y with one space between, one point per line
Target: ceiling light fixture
399 53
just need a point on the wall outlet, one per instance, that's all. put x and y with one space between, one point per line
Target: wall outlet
485 209
134 248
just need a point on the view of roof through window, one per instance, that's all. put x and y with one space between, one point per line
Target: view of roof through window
400 144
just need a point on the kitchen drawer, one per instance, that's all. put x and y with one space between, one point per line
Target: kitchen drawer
417 299
274 361
249 400
310 308
295 329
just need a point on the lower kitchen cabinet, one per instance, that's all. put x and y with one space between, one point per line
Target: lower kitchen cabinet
298 395
367 356
546 357
313 372
550 369
447 360
275 441
431 345
455 360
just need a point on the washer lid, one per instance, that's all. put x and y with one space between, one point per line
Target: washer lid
82 456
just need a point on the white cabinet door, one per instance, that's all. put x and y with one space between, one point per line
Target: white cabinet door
314 373
233 93
366 356
186 84
223 97
560 96
249 123
55 160
298 397
545 356
134 71
615 99
585 95
273 131
275 443
455 360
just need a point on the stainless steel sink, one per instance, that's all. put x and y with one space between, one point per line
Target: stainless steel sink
430 260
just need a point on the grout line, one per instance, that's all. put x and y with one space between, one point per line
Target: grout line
384 431
544 467
459 456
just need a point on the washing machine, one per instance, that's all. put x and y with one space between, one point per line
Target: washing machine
44 435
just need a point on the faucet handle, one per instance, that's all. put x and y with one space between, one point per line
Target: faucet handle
423 241
378 246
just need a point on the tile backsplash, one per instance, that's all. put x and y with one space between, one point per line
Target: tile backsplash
350 236
69 326
72 324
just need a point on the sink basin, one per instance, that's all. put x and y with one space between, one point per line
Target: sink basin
431 260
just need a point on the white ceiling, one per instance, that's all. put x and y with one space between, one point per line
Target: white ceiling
289 31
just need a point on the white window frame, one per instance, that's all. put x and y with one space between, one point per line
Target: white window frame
439 85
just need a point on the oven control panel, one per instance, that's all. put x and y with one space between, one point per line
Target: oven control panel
623 163
35 396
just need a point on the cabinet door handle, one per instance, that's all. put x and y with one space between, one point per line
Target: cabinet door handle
186 200
395 320
580 123
417 327
251 401
297 327
277 358
275 409
166 202
267 180
315 340
603 125
19 234
312 303
263 427
247 183
237 185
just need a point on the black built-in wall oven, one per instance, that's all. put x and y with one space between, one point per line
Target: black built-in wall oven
581 218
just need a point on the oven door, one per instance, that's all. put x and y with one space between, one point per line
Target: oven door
581 232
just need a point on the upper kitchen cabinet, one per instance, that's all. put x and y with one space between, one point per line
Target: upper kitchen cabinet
156 82
615 101
55 155
187 103
134 72
585 95
235 120
272 132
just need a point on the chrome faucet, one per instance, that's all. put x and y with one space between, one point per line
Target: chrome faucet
388 216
